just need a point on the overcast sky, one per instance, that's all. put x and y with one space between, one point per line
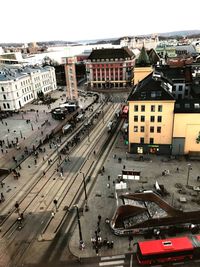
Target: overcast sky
71 20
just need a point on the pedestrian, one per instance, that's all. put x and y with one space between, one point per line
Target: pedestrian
2 150
2 197
177 169
198 178
108 185
2 184
108 177
22 215
94 152
103 169
35 160
19 166
124 167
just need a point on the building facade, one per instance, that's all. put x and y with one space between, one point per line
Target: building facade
186 127
161 124
110 68
70 74
19 86
151 106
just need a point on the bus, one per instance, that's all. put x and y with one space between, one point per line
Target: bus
125 112
168 250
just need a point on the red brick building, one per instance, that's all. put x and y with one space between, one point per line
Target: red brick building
110 68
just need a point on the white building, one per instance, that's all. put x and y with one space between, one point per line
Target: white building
19 86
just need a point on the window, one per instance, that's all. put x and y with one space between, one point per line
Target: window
4 105
2 89
152 118
142 140
151 140
142 118
8 105
158 129
159 108
142 129
4 96
142 108
135 118
153 108
151 129
180 88
135 129
173 88
135 107
159 119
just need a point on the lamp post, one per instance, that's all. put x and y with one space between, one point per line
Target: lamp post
81 243
86 198
188 173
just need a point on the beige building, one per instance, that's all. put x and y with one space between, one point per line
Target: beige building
160 124
151 107
70 74
140 73
186 127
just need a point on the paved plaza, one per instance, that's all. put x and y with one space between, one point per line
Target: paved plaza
102 202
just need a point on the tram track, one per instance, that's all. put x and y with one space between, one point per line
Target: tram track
63 194
29 187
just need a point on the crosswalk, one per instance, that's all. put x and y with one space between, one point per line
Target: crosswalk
115 261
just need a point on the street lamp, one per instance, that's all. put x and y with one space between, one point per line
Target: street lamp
86 198
188 173
81 243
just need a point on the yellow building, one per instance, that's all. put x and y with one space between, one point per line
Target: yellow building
142 67
140 73
186 127
160 124
151 108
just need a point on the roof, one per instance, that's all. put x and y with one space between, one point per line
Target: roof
187 106
165 245
143 59
13 72
153 56
111 53
172 73
150 89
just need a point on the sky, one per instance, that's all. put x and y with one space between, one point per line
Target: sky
71 20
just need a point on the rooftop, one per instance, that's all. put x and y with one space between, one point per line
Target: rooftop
16 72
187 106
151 88
111 53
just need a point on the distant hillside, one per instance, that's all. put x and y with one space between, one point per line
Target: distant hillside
180 33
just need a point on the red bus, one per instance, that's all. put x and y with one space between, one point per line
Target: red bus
125 112
168 250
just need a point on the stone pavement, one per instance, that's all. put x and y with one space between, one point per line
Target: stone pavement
12 188
101 201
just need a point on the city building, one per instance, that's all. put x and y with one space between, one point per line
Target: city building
160 121
139 42
143 67
151 107
181 78
21 85
186 130
110 68
167 48
70 74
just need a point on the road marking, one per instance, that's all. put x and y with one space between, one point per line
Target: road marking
107 263
112 257
131 260
178 263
